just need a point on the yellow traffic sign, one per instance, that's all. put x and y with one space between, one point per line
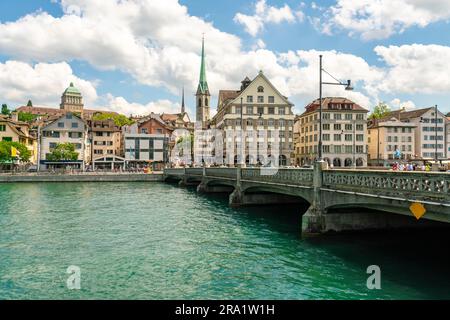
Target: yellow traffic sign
418 210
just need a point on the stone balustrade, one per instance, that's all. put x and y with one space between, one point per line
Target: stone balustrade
417 184
222 172
289 176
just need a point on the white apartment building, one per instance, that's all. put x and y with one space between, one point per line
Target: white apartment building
265 111
68 128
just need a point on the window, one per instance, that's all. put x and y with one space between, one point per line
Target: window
348 149
75 135
51 134
360 116
160 131
348 116
359 127
271 110
68 116
271 123
337 126
206 102
77 146
326 137
326 116
326 126
260 89
249 110
359 137
337 149
250 99
261 110
9 139
260 99
337 137
249 122
281 111
238 110
348 137
326 149
349 127
144 130
2 127
337 116
60 124
74 124
271 99
260 122
359 149
281 123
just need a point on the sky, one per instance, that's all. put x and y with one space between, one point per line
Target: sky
135 56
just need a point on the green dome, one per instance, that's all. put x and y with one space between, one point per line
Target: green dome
72 90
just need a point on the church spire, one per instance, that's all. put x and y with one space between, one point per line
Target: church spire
203 84
183 108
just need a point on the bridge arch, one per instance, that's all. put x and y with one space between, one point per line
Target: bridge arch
296 194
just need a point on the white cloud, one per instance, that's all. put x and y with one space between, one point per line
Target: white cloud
158 43
121 105
379 19
415 68
254 24
398 104
42 83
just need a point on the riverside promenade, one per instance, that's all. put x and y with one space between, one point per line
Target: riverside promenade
81 177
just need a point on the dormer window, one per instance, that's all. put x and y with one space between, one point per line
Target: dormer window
260 89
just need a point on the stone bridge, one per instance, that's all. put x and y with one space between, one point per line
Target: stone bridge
337 199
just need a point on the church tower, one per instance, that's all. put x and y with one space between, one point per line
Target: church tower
203 97
71 100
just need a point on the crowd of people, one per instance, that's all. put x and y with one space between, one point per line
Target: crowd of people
410 167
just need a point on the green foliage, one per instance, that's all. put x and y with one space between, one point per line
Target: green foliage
119 119
63 151
29 103
27 117
5 151
380 110
5 110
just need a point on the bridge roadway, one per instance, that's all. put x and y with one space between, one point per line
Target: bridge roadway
334 196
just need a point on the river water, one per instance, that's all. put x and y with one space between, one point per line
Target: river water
159 241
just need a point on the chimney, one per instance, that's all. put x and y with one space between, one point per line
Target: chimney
15 116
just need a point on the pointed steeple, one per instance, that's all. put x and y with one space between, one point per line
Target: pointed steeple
183 108
203 84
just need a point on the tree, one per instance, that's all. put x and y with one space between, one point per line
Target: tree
27 117
380 111
5 151
29 104
5 110
63 151
119 119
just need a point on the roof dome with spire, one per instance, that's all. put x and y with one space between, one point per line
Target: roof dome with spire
72 90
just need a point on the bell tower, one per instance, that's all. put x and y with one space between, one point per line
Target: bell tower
203 97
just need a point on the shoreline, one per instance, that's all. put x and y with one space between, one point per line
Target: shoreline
82 177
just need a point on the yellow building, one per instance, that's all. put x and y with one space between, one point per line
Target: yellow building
11 129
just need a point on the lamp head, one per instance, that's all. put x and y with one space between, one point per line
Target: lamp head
349 87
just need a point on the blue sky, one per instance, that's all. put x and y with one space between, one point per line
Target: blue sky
136 57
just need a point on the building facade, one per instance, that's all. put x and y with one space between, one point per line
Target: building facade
72 100
430 135
344 133
390 140
105 140
264 110
68 128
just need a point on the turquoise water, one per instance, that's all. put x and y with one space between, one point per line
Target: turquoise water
158 241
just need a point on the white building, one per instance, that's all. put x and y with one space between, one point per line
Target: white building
430 134
68 128
143 149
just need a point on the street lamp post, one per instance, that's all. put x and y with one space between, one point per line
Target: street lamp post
348 87
435 135
354 145
242 160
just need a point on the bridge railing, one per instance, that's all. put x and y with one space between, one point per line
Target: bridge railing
194 171
174 171
413 185
302 177
221 172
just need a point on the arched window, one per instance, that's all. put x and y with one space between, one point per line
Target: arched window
260 89
359 162
200 102
206 102
337 162
348 162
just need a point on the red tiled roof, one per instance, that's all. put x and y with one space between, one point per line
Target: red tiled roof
225 95
328 101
